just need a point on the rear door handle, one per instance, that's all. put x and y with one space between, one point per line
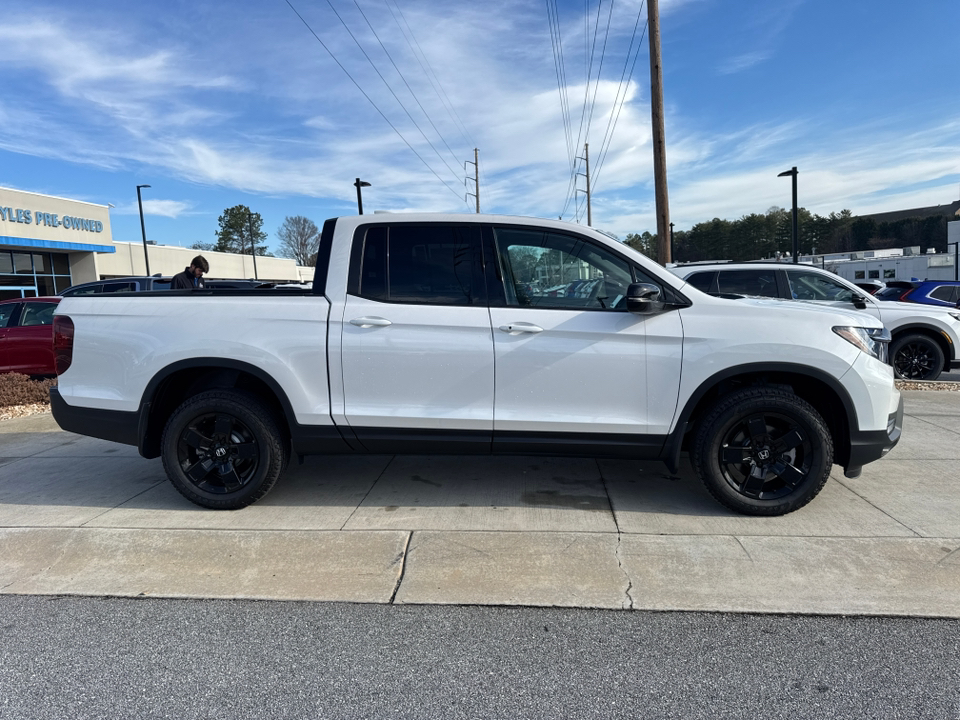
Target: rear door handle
514 328
370 322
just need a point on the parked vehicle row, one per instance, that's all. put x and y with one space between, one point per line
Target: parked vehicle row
479 334
924 338
940 293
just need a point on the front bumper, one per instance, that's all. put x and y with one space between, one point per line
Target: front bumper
867 446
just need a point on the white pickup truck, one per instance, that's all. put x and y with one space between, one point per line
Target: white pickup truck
478 334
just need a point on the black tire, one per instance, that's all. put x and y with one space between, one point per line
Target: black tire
762 451
916 357
223 449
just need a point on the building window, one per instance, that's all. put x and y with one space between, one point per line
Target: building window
874 274
859 274
27 274
889 274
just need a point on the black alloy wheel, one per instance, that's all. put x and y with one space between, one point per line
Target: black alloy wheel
917 357
218 453
764 456
223 449
762 451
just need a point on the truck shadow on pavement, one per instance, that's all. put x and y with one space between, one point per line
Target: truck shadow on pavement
58 479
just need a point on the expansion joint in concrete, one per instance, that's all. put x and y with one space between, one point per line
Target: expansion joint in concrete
628 592
402 559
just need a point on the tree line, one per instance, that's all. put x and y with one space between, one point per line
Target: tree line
756 236
241 231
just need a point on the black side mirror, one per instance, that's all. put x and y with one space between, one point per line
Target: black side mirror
644 298
859 302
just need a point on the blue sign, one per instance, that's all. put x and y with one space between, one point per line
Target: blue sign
26 217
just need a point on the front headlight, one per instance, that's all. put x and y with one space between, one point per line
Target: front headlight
873 341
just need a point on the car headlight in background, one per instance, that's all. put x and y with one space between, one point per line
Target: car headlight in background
955 316
873 341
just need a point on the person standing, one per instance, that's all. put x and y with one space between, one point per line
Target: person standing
192 275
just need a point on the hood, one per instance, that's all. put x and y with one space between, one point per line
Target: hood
783 308
916 308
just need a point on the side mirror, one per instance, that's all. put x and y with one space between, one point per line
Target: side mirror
644 298
859 302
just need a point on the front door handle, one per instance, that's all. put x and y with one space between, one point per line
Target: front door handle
370 322
514 328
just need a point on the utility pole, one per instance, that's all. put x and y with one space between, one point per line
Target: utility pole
476 176
586 160
659 145
253 243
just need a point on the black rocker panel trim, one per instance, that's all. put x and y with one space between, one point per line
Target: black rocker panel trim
611 445
430 441
423 441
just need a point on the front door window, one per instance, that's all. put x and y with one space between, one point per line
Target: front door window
814 286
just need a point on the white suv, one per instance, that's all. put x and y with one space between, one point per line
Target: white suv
925 338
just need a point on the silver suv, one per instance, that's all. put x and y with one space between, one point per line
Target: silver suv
925 337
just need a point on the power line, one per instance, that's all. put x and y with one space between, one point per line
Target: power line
596 86
571 186
395 97
564 114
612 122
438 87
369 99
387 53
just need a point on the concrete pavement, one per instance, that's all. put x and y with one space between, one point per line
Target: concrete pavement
83 516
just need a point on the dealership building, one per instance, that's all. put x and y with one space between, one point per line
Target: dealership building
49 243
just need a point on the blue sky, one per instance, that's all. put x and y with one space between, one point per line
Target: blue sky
215 104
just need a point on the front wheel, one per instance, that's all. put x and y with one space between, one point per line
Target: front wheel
222 449
916 357
763 451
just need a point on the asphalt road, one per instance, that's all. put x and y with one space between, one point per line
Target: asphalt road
122 658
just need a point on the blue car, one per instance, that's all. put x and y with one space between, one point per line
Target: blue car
944 293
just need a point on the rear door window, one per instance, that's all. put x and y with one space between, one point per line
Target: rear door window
422 264
945 293
704 281
762 283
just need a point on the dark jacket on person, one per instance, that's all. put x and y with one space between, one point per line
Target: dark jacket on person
185 280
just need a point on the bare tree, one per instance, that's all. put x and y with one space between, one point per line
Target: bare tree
299 239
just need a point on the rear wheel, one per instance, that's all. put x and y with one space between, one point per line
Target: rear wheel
763 451
222 449
916 357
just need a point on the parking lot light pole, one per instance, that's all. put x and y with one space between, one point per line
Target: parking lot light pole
360 184
793 171
143 229
253 244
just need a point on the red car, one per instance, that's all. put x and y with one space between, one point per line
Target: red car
26 335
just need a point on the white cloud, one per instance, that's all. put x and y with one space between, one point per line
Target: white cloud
163 208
